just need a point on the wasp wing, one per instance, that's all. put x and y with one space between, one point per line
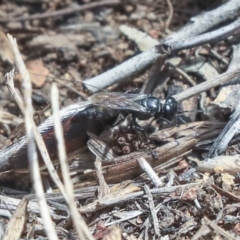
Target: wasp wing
64 114
117 100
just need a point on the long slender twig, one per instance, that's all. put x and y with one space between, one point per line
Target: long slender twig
150 172
207 20
221 79
152 210
210 37
63 12
170 15
79 223
218 229
114 200
38 138
232 127
32 152
16 224
122 71
11 88
141 61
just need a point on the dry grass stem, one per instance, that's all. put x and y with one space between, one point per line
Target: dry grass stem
153 211
81 227
150 172
16 95
38 138
32 152
17 222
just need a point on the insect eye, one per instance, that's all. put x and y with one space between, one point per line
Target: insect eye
170 108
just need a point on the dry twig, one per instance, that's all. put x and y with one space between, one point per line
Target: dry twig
32 153
152 210
210 37
218 229
207 20
81 227
38 138
143 60
66 11
150 172
170 15
16 224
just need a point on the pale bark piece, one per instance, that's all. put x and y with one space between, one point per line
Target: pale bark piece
16 224
226 164
40 72
142 40
9 205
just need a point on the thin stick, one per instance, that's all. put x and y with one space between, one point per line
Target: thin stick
184 75
170 15
32 153
152 210
210 37
150 172
12 90
17 222
218 229
81 227
227 134
38 138
207 20
63 12
221 79
136 64
103 187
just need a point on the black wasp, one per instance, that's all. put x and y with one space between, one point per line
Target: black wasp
89 116
141 106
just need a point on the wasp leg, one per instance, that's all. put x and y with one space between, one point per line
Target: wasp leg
161 120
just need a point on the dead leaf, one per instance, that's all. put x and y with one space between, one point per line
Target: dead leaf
190 194
38 72
105 233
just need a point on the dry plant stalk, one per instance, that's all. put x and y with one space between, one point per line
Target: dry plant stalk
32 153
16 223
81 227
40 142
69 197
